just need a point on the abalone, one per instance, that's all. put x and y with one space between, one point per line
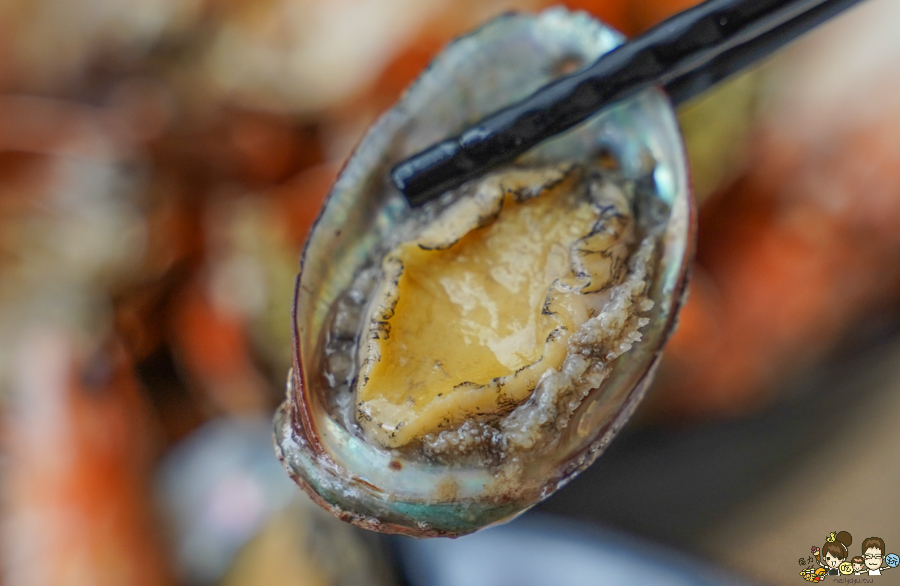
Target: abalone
457 363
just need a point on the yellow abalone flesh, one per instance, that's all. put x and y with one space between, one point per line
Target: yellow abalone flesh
489 300
457 363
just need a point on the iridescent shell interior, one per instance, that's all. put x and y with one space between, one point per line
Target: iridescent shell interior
500 63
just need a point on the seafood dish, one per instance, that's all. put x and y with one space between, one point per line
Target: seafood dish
457 363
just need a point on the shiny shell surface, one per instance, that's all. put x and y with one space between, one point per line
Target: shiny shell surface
393 489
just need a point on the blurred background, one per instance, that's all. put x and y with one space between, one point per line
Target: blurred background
160 164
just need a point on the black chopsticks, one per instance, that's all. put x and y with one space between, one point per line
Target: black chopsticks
687 54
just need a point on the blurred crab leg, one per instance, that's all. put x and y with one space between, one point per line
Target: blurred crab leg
76 483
